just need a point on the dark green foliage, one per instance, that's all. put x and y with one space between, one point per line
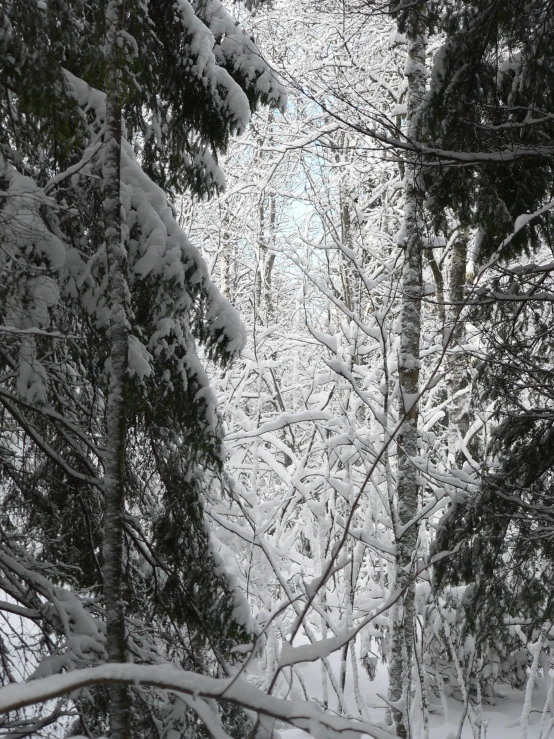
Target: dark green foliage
492 92
404 11
506 540
177 112
505 533
36 111
180 110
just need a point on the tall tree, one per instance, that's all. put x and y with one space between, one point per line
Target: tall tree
413 22
118 337
494 73
104 392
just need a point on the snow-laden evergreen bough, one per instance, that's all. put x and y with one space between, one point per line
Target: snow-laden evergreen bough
104 301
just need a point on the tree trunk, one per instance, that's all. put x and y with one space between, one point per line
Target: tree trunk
407 490
259 278
114 460
439 284
455 361
268 262
225 261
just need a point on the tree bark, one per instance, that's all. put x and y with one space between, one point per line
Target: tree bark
225 261
407 489
439 284
455 361
268 262
114 461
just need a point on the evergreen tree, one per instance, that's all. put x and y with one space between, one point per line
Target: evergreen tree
504 533
104 299
490 99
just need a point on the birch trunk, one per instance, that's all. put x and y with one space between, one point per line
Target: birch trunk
114 461
455 363
407 489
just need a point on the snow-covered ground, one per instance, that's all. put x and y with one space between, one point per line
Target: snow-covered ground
502 721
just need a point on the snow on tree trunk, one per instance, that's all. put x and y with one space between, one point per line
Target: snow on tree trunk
114 461
535 650
269 261
459 420
407 489
226 258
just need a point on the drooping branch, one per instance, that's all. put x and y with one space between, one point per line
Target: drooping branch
302 714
